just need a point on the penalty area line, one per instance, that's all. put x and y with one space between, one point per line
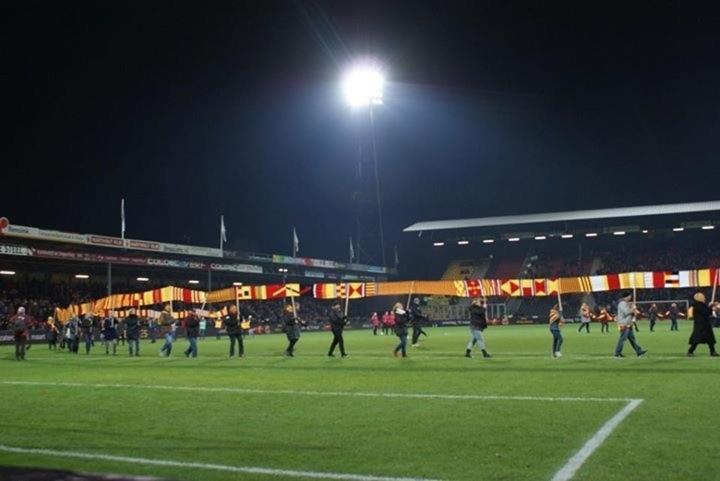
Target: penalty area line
456 397
576 461
205 466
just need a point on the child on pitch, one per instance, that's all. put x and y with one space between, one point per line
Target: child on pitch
556 320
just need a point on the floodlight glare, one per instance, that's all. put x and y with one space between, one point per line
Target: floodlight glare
362 84
619 232
488 241
193 281
438 244
463 242
708 227
7 273
142 279
540 237
82 276
591 234
567 236
678 229
513 239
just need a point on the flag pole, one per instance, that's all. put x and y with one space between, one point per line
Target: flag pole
347 298
559 299
412 288
237 302
715 283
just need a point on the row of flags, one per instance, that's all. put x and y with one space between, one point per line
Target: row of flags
538 287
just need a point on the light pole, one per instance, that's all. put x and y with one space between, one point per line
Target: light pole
362 87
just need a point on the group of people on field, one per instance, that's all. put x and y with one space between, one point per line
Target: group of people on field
704 318
401 319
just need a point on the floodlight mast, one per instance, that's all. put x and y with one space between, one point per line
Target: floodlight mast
362 87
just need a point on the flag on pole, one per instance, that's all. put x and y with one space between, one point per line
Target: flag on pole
296 243
122 218
223 232
352 251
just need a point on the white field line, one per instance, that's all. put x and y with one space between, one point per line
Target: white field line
456 397
591 445
284 473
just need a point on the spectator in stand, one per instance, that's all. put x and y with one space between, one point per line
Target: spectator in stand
702 326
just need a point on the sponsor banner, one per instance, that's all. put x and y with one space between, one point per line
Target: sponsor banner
10 250
314 274
237 268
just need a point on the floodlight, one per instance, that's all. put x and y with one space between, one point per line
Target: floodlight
362 84
567 236
438 244
7 273
463 242
82 276
488 241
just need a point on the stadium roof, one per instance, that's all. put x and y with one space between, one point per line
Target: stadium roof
566 216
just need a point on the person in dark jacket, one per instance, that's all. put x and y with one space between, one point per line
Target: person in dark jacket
72 332
110 334
337 324
52 333
292 329
234 331
132 331
193 331
401 330
88 331
673 313
416 317
21 333
653 316
478 323
702 332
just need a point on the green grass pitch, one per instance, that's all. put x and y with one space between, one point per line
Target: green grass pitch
275 416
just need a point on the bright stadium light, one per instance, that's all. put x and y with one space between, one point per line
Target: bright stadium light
463 242
193 281
645 231
142 279
513 239
708 227
678 229
362 84
82 276
237 284
540 237
567 236
7 273
619 232
438 244
283 270
488 241
591 234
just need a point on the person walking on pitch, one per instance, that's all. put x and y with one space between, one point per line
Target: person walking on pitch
167 324
604 317
109 334
337 324
478 323
652 316
585 318
21 333
193 331
673 313
88 329
132 330
401 330
234 331
702 326
375 323
292 329
626 319
417 317
556 320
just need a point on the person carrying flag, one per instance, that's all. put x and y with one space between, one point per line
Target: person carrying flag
234 331
400 318
292 329
626 319
417 317
556 320
337 324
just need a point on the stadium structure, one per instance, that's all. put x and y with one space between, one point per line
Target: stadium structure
665 237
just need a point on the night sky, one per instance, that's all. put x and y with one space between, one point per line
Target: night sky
192 110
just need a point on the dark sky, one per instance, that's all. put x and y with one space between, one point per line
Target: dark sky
190 110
